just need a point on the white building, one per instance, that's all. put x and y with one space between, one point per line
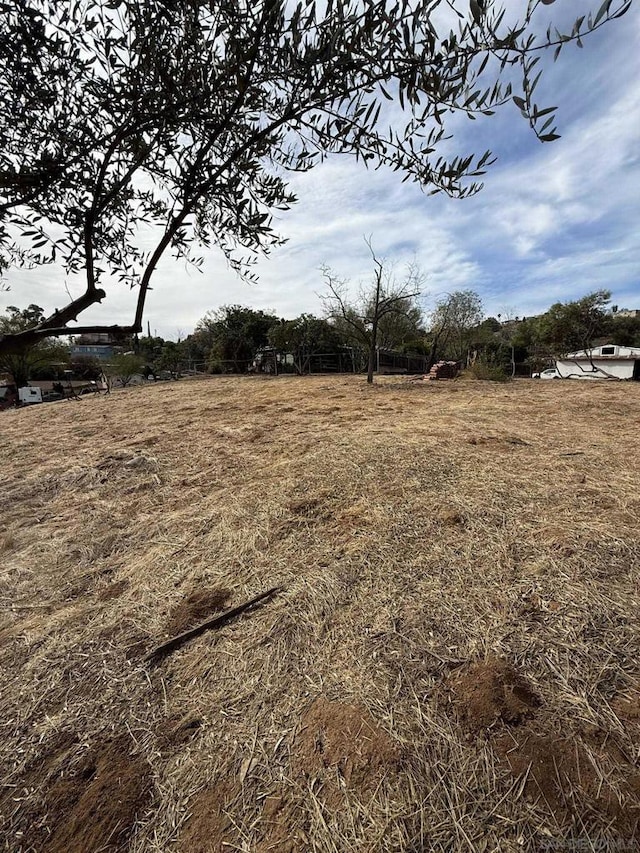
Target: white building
604 362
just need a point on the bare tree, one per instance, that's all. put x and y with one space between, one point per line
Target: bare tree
361 318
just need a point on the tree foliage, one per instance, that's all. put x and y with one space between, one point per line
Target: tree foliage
171 358
305 337
625 330
570 326
87 367
186 117
233 334
123 367
44 353
454 324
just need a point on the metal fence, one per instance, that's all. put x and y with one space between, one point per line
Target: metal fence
389 361
348 360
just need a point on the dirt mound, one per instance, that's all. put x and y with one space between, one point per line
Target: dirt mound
50 758
284 824
209 828
626 707
337 748
345 738
199 604
560 774
492 690
310 508
450 517
93 806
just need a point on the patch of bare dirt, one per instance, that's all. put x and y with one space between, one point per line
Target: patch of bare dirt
626 707
560 774
91 808
338 747
450 517
198 605
498 440
209 828
490 691
284 823
177 731
311 508
342 738
51 756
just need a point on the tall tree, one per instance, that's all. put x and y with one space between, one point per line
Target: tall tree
234 334
187 116
123 367
625 329
305 337
172 358
452 325
570 326
385 298
43 353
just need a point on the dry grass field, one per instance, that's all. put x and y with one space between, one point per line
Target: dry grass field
451 663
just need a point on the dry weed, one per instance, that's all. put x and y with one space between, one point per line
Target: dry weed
453 662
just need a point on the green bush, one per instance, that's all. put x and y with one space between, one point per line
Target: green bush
487 372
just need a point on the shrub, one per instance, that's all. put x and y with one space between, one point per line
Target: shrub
487 372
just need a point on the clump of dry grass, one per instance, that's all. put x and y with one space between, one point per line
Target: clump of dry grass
447 552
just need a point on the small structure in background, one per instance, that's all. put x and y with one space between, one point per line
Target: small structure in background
100 346
608 361
25 396
29 395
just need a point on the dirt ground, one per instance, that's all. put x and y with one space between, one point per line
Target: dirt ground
451 663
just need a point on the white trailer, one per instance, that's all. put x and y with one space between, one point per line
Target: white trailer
29 395
608 361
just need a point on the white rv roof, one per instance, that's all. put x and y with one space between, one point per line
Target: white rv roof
597 352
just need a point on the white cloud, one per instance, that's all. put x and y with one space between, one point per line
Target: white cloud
552 223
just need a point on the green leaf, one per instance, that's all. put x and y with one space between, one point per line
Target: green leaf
535 82
602 11
623 11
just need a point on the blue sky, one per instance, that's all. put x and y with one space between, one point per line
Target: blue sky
552 223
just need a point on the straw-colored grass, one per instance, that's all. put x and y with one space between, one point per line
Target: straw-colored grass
452 665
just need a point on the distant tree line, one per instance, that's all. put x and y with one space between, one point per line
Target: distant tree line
456 329
231 338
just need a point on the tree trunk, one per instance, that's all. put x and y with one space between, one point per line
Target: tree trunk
19 370
372 354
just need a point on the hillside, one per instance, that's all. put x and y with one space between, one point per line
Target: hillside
451 663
